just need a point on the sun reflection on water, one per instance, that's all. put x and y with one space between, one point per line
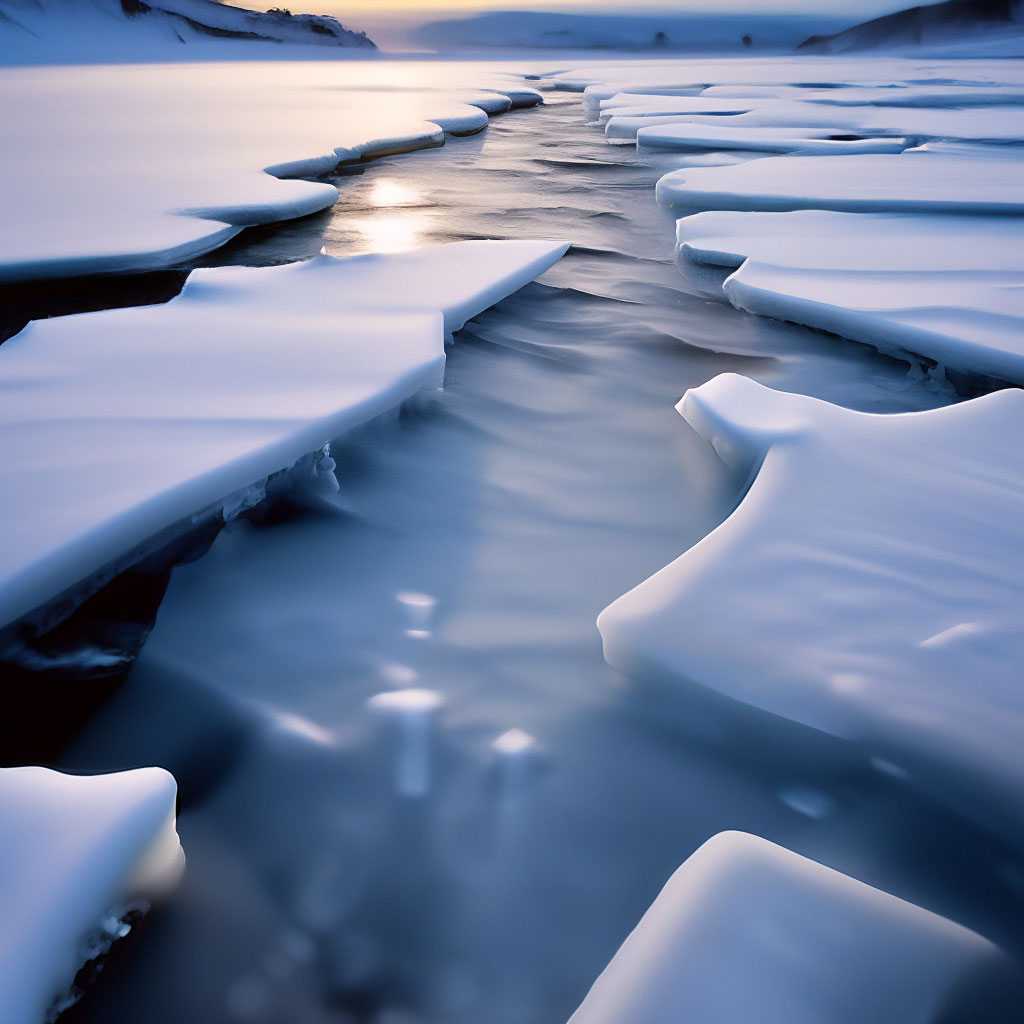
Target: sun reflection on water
393 193
392 232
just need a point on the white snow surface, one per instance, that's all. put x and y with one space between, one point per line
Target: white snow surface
762 140
874 571
916 80
934 116
953 179
74 851
945 287
170 161
748 931
890 218
122 424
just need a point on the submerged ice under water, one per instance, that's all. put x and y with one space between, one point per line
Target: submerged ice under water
475 845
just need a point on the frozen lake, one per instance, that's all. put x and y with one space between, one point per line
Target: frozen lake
472 545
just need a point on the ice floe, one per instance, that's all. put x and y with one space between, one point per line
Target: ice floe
78 854
873 571
879 137
122 424
746 930
170 161
944 287
960 179
763 140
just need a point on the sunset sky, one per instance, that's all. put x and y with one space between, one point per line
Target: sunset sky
856 9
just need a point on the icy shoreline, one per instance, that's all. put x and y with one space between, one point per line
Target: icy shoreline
155 184
462 568
366 334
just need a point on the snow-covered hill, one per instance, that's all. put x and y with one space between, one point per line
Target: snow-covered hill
551 30
994 24
60 30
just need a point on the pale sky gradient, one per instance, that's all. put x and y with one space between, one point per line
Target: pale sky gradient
857 10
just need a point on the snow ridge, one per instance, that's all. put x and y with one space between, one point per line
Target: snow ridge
66 24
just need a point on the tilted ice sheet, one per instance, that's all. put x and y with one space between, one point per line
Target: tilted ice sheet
950 288
746 930
169 161
874 572
74 850
960 179
120 424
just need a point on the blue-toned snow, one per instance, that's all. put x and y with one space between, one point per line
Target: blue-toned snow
476 843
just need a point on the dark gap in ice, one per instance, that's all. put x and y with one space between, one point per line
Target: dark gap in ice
21 302
102 947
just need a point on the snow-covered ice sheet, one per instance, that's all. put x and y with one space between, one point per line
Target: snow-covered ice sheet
763 140
945 287
170 161
970 100
969 124
626 105
955 179
759 77
874 572
748 931
120 424
75 853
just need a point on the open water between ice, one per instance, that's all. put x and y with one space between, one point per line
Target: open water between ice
479 855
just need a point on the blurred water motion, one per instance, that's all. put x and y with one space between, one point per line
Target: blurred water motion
483 865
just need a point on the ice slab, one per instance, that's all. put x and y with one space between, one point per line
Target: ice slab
874 571
75 853
763 140
944 287
121 424
967 123
746 930
947 180
652 106
759 77
172 160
